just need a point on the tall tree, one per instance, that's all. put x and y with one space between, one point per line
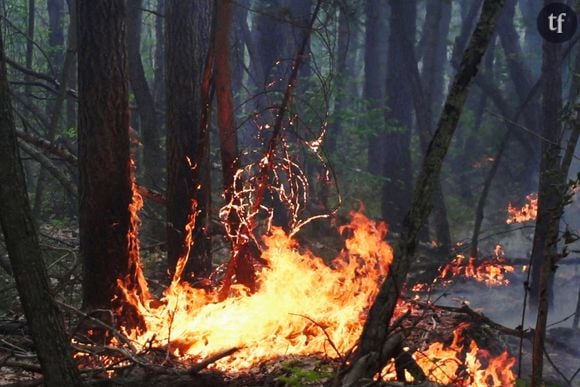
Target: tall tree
438 16
371 354
149 123
225 99
105 171
398 117
188 30
43 316
375 62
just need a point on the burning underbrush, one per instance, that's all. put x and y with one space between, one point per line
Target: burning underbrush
304 308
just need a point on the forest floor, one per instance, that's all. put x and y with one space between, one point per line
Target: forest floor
19 366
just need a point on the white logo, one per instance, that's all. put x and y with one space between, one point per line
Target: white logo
559 21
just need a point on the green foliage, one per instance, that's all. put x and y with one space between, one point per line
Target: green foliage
296 375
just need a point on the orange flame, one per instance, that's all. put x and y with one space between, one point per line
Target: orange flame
490 271
300 301
458 365
528 212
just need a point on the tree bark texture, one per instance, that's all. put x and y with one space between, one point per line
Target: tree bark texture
398 119
188 27
105 182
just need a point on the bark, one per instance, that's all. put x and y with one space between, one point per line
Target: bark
344 73
238 47
224 95
375 331
159 73
152 156
396 192
546 231
374 76
30 41
187 26
43 316
105 182
55 10
435 35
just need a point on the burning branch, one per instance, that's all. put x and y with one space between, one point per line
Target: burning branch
240 265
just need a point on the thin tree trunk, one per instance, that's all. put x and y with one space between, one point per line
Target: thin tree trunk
374 334
43 316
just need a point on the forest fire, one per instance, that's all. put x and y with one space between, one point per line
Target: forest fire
303 306
300 300
528 212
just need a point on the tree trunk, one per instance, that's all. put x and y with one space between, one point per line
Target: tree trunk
548 189
55 10
43 316
105 172
159 73
225 100
433 76
375 62
398 119
187 26
152 157
375 334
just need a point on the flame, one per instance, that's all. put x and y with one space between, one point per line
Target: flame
460 365
528 212
490 271
302 304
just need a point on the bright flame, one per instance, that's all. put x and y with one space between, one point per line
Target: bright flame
528 212
300 301
490 271
458 365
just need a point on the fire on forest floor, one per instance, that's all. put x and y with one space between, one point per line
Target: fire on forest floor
304 307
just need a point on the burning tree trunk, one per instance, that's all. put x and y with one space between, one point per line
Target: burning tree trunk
243 245
42 314
107 229
188 26
375 333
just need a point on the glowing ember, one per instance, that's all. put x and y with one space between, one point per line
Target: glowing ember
528 212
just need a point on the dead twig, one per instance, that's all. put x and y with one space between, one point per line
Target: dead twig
212 359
